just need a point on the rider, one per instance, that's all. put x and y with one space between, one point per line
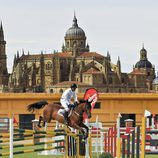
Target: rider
66 100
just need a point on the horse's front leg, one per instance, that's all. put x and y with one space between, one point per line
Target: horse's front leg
81 130
87 130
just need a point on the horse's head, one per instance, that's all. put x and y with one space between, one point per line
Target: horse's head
87 109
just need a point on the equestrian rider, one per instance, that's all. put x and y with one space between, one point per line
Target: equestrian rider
66 100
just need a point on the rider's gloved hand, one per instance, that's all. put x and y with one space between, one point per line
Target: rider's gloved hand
75 103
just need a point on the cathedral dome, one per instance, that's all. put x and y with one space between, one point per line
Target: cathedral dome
143 64
75 31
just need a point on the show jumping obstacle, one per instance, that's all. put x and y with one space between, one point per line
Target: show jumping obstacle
70 140
120 142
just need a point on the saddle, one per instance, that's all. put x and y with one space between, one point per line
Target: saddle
61 110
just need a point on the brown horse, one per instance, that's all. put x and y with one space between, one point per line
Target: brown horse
75 119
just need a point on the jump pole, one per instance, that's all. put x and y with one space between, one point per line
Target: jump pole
118 140
143 137
45 152
11 129
90 145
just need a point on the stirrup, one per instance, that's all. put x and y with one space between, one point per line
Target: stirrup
66 122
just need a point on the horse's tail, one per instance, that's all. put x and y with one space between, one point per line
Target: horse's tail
37 105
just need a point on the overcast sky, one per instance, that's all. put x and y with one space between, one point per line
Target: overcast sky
117 26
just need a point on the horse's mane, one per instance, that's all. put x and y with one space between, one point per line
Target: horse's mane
82 101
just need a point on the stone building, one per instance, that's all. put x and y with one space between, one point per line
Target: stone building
155 85
143 73
3 63
54 72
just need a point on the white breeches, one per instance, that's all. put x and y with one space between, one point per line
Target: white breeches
65 104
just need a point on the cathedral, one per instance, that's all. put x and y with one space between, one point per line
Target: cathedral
54 72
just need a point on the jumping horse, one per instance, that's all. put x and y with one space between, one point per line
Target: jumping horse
75 119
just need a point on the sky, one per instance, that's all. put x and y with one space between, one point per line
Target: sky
117 26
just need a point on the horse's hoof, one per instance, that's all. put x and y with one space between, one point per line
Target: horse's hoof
85 137
39 126
83 140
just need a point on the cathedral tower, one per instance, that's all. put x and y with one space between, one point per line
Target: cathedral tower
75 37
3 60
146 67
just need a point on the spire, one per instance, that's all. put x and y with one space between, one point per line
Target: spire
17 54
15 59
1 28
108 55
23 53
118 61
1 33
75 21
143 53
87 47
63 48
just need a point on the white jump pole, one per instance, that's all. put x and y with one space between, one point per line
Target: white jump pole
11 128
97 136
87 143
101 141
147 123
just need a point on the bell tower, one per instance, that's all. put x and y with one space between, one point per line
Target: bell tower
3 60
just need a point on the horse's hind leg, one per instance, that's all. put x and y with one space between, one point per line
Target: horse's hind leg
39 122
44 123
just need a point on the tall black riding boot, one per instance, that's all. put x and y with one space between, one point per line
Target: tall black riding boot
66 117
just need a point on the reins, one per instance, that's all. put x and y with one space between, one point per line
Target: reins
75 112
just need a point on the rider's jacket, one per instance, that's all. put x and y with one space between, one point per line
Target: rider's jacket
67 95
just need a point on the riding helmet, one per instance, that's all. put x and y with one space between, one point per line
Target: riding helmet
73 85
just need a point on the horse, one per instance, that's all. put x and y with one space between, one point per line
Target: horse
75 118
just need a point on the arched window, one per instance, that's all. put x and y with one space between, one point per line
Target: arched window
81 44
48 65
61 65
51 90
74 43
123 80
110 80
67 43
61 90
38 81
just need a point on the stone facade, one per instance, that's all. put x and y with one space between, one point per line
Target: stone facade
54 72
